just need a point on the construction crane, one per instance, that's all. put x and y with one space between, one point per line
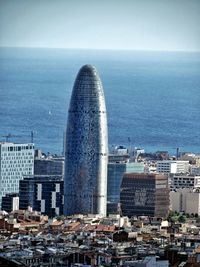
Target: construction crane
8 136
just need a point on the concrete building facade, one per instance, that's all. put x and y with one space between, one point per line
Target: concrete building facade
172 166
185 200
184 181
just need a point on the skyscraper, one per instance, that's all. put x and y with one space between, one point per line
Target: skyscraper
86 148
16 160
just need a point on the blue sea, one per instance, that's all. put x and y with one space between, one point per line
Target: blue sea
152 98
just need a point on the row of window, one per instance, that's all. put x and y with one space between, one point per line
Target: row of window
20 159
16 164
8 174
16 148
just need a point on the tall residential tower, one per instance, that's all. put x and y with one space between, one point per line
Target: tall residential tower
86 148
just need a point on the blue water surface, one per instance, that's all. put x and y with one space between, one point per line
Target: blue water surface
152 98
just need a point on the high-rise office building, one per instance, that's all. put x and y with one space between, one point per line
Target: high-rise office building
16 160
43 193
116 170
86 148
144 194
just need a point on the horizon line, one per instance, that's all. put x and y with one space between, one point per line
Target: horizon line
102 49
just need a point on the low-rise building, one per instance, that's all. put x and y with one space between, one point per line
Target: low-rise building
172 166
184 181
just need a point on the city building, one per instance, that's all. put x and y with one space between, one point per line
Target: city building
121 150
49 166
195 170
86 146
16 160
185 200
10 202
42 193
144 194
116 170
184 181
178 199
149 261
137 151
172 166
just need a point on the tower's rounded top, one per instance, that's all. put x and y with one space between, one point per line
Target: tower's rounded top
89 69
87 90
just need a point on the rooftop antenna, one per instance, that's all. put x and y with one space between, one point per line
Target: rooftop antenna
177 152
32 137
129 140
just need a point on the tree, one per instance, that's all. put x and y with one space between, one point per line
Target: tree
182 219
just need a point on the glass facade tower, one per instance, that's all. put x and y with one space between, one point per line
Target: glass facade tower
86 147
116 171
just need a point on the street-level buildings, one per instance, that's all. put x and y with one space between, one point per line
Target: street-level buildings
16 160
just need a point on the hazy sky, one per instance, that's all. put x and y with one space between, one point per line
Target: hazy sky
102 24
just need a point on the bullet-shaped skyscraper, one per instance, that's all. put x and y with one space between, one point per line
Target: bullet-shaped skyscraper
86 148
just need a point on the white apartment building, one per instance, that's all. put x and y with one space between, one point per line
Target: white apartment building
172 166
184 181
16 160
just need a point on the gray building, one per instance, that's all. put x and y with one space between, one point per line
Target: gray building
49 166
86 148
116 170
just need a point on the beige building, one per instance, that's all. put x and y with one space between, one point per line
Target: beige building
185 200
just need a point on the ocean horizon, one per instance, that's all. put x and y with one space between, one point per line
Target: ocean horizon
152 98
